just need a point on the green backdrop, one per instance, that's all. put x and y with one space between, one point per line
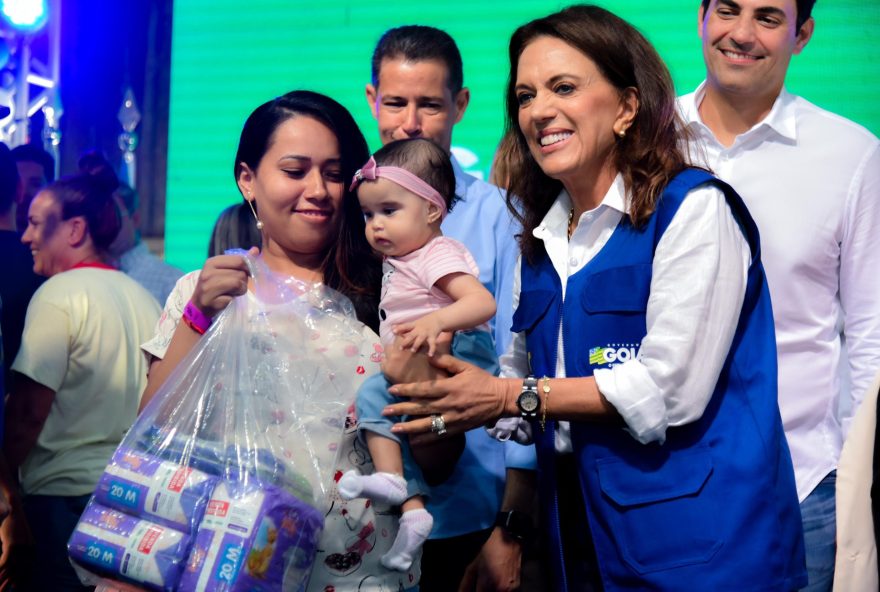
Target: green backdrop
229 57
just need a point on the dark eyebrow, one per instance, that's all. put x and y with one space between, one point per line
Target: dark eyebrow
771 11
553 80
563 76
418 99
308 159
763 10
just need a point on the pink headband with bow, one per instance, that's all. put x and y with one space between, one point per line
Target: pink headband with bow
404 178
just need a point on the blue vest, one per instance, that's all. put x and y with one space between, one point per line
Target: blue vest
715 506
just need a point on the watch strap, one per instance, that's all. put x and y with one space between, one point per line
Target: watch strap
529 392
517 524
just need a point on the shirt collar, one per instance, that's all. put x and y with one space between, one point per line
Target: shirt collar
555 222
781 118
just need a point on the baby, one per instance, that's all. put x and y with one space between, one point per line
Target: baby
430 285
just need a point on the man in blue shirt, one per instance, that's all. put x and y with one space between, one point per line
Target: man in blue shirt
417 91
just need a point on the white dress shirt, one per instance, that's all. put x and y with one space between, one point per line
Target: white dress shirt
811 180
697 289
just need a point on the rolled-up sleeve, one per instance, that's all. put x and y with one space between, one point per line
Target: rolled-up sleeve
698 285
514 365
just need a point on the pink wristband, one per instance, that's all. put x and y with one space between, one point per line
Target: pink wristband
196 319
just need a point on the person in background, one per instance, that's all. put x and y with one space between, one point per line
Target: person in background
811 179
16 265
857 565
79 374
18 285
500 173
234 229
36 168
644 360
480 512
10 501
130 252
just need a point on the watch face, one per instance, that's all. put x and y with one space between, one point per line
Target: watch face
528 402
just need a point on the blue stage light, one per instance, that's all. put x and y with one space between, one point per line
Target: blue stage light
25 15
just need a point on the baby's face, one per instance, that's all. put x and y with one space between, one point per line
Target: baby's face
397 221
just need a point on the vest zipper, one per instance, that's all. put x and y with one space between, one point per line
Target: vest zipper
553 443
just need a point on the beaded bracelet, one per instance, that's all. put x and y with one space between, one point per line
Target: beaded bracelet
195 319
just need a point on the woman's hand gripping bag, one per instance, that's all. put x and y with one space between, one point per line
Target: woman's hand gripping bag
221 484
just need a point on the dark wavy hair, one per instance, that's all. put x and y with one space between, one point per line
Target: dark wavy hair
653 150
91 197
349 266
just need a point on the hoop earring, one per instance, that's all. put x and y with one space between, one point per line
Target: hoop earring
254 212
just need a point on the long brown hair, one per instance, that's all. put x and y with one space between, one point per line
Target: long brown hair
653 150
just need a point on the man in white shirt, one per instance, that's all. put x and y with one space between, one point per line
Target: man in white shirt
811 180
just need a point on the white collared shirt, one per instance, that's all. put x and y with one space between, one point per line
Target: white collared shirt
811 180
697 289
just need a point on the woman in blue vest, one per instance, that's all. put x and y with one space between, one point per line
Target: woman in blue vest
643 330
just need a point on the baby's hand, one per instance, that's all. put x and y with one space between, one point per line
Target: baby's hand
421 332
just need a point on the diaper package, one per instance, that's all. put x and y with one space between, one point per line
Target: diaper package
116 544
162 491
253 540
227 470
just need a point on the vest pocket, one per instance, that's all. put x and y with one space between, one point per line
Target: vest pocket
662 515
533 306
619 289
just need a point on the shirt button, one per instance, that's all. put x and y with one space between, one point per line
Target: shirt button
589 215
573 262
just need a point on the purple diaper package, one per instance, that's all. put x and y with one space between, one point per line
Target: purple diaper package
115 544
160 491
253 539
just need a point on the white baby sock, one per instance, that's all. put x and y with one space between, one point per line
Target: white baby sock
380 487
415 526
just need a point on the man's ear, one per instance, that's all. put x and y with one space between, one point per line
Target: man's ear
372 95
804 35
461 102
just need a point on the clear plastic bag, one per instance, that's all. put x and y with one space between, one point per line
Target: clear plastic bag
221 483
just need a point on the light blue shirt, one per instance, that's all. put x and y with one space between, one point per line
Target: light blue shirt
470 499
152 273
480 219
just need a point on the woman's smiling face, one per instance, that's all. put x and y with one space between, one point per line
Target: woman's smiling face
298 187
567 109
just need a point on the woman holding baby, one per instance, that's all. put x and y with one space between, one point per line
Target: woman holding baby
296 157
